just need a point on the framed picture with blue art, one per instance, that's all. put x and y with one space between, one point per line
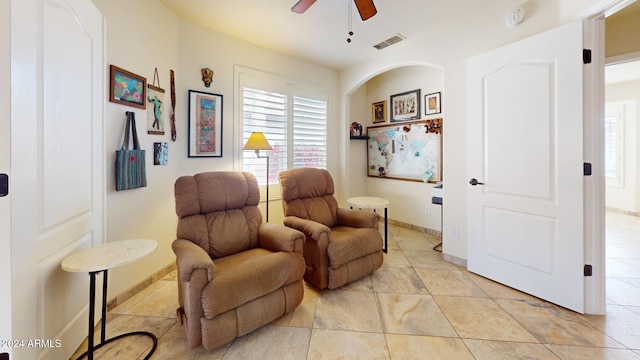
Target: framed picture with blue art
127 88
205 124
160 153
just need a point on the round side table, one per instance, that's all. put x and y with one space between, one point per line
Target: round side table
99 259
370 202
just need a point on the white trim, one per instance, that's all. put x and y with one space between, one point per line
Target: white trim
594 185
622 58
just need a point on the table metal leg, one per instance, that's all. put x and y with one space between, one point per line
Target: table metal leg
103 323
386 231
92 307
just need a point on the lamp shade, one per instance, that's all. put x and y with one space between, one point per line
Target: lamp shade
257 142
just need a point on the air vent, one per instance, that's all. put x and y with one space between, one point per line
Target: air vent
390 41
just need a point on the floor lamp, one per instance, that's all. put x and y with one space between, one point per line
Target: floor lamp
258 142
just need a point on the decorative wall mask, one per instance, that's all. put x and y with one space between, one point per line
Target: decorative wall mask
207 76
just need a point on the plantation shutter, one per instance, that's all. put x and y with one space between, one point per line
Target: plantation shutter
266 112
309 132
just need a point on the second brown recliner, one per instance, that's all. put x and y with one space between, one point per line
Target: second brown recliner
341 245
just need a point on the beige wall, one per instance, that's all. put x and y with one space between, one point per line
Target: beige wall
410 201
475 32
143 35
626 196
622 29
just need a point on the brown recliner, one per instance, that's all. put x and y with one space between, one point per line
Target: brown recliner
342 245
235 273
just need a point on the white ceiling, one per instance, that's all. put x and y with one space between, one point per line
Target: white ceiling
319 35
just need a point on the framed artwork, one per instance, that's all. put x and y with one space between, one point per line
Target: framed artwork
127 88
405 106
408 151
160 153
205 124
379 112
432 104
155 110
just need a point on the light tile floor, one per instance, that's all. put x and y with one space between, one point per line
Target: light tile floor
416 306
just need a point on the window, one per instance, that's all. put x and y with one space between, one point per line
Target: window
614 143
295 125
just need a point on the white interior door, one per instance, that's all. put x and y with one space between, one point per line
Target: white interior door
57 161
526 148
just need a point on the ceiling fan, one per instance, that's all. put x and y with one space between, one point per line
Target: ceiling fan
366 8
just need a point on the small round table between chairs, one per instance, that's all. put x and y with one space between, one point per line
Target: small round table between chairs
370 202
99 259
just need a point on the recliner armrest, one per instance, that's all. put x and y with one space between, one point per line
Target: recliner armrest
309 227
280 238
358 218
191 257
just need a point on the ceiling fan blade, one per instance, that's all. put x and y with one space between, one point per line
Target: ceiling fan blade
302 6
366 8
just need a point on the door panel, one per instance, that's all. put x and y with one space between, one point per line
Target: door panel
525 146
57 56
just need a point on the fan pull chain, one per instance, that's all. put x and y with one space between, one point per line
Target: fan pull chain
349 20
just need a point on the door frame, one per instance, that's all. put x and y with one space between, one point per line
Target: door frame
594 186
5 168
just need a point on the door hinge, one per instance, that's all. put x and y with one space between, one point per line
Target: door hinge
586 169
586 56
588 270
4 185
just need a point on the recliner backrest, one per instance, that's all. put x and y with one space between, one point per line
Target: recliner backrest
219 211
307 193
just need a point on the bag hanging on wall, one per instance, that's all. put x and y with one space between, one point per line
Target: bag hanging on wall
130 164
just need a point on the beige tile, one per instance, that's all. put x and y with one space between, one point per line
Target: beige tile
271 342
449 282
623 292
363 284
508 350
172 276
620 323
347 310
428 259
410 347
129 347
303 315
580 353
413 315
496 290
395 258
126 305
553 325
414 242
397 280
481 318
173 346
163 302
346 345
621 268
